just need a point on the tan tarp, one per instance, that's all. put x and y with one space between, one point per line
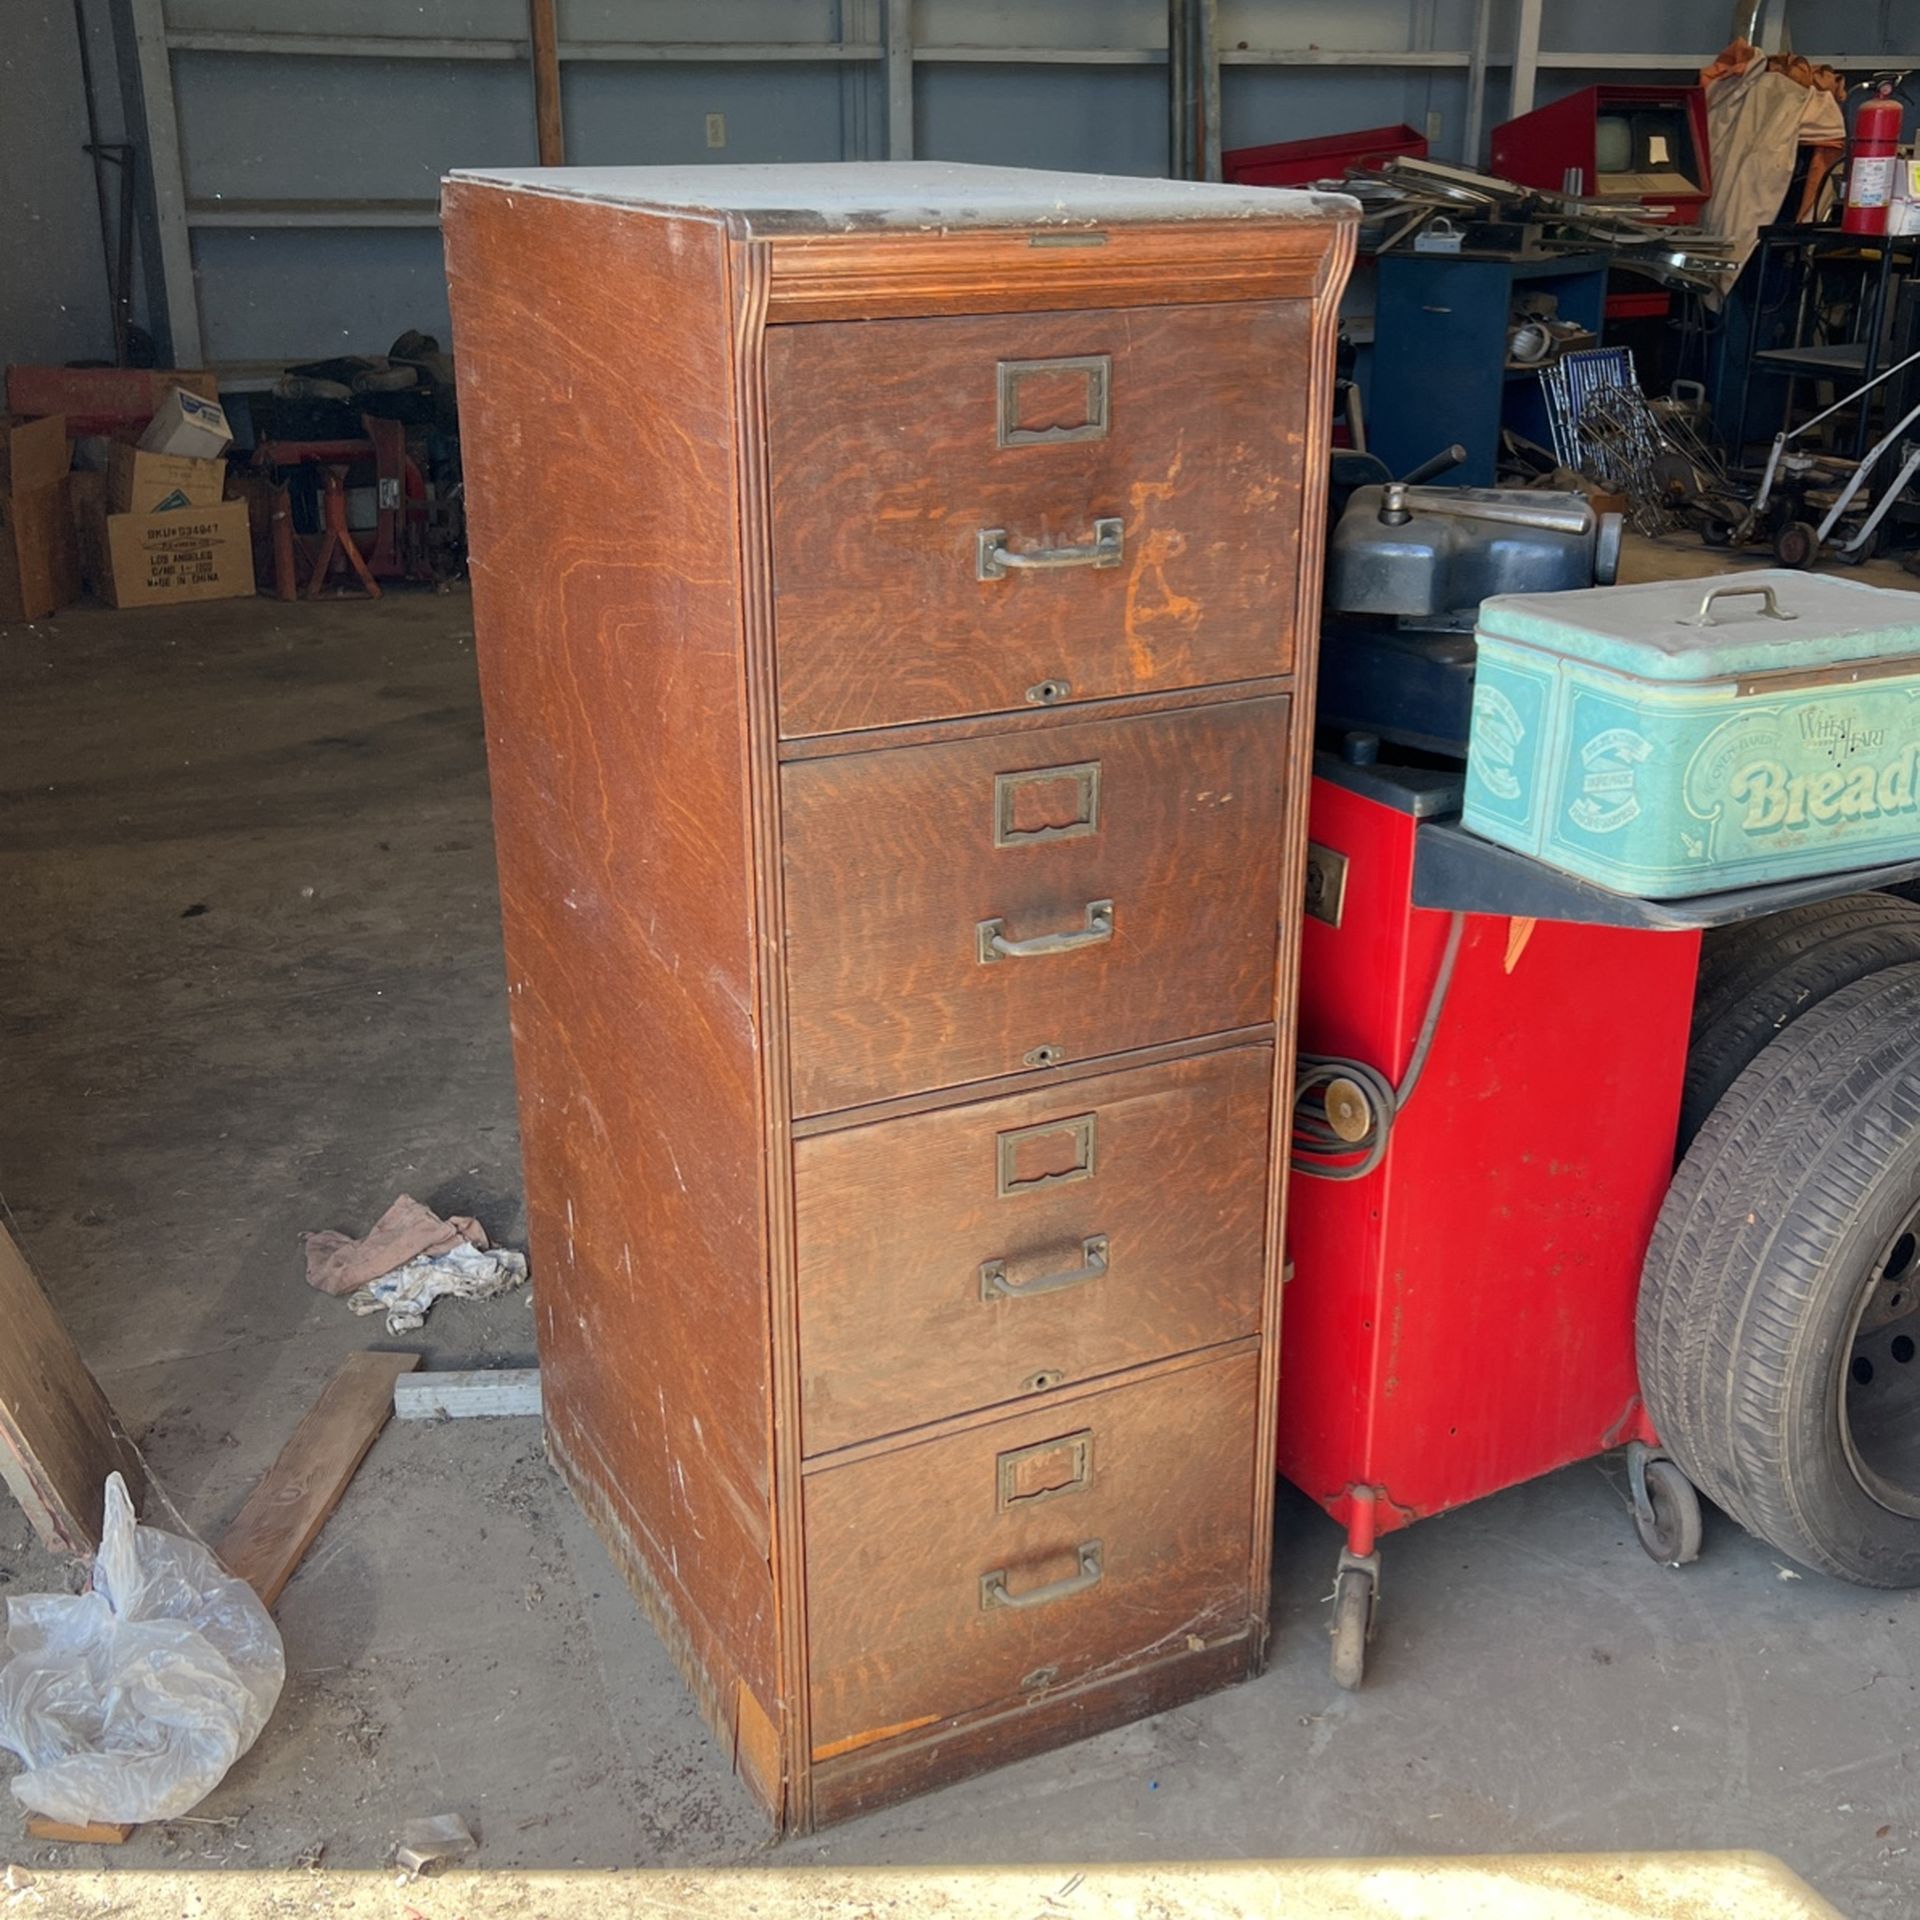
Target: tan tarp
1760 113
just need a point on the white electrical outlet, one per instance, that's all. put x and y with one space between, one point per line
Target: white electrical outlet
716 129
1433 127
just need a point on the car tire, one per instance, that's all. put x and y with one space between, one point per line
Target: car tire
1801 1188
1758 976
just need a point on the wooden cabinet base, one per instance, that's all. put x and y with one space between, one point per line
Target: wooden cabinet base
882 1776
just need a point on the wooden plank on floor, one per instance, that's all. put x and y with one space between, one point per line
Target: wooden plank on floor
290 1505
467 1396
59 1438
84 1833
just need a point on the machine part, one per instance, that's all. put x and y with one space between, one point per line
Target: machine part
1326 889
1781 455
1430 555
1778 1315
1666 1509
1435 464
1356 1602
1759 976
1796 544
1350 1114
1320 1147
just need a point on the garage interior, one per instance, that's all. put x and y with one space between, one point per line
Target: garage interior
254 983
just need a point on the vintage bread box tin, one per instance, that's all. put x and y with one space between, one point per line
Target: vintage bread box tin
1686 736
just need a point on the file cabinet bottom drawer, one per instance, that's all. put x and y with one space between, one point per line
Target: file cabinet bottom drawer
1031 1554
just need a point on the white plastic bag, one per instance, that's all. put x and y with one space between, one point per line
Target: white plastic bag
130 1701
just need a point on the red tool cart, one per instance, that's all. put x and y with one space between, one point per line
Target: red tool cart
1492 1056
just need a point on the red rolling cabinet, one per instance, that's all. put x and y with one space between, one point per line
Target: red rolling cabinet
1461 1318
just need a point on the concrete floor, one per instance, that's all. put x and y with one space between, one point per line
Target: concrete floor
250 983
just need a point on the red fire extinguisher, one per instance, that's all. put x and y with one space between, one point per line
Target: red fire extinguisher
1876 142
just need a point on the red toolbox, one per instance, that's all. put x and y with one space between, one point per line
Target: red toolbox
1299 163
1461 1318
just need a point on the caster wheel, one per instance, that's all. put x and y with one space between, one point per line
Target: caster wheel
1670 1529
1352 1626
1796 544
1716 533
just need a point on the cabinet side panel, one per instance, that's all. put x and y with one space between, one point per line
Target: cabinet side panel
598 426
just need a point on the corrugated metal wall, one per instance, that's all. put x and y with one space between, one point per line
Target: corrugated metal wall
262 131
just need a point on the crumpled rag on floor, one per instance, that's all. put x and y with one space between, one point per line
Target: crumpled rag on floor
408 1261
468 1273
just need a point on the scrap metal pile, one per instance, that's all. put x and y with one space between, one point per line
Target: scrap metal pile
1427 206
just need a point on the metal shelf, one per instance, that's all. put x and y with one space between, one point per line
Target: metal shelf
384 46
1597 60
258 215
638 52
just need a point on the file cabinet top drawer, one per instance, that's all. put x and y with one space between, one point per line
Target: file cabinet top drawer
977 907
984 513
961 1258
1001 1562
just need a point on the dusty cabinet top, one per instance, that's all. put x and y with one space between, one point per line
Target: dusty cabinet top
843 196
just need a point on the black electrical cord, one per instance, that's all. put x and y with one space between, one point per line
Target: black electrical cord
1321 1153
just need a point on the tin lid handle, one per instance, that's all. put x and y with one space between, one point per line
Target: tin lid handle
1704 618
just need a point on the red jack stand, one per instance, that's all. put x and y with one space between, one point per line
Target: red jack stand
337 543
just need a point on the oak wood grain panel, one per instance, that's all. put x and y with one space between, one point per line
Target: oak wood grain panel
883 1773
59 1437
886 466
1165 1165
897 1546
774 1760
601 442
1030 1080
891 866
1319 379
868 276
283 1515
973 726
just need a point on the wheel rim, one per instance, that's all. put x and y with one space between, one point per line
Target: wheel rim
1880 1388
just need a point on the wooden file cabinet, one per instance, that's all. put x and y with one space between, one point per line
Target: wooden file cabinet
895 590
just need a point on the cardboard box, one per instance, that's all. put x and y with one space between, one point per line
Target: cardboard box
39 563
112 400
166 559
185 423
33 453
141 482
39 560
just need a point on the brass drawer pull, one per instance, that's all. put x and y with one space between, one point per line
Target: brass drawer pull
994 944
996 558
994 1284
993 1586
